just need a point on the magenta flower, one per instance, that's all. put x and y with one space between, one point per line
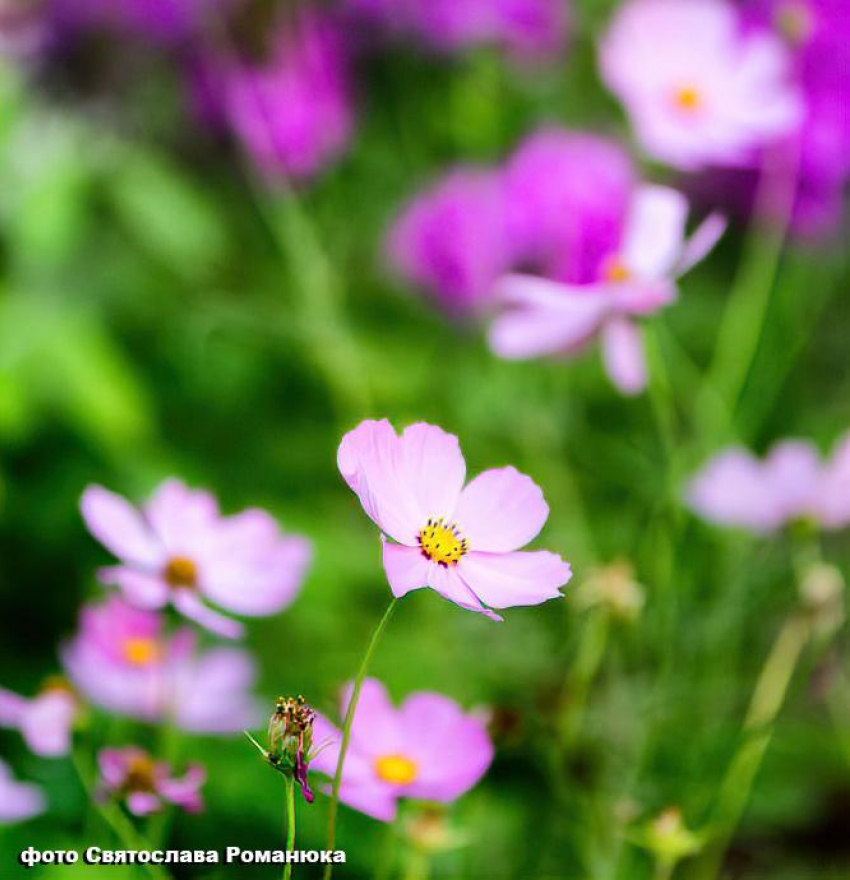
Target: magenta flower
638 278
292 110
146 785
121 660
698 90
426 749
179 549
791 484
45 721
462 542
454 240
18 800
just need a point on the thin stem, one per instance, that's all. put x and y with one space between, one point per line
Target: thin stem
346 730
290 823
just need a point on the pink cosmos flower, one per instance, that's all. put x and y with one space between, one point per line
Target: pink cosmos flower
18 800
179 549
426 749
639 277
454 240
146 785
791 483
122 660
45 721
462 542
698 90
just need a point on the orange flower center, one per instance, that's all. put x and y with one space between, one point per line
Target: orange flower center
396 769
180 572
140 651
141 774
688 99
615 271
441 542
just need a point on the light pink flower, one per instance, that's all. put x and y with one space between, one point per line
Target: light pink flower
45 721
698 89
462 542
426 749
791 483
545 317
18 800
121 659
179 549
146 785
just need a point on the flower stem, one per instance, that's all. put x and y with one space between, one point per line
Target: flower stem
290 823
346 730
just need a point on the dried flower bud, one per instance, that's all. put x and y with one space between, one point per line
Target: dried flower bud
614 588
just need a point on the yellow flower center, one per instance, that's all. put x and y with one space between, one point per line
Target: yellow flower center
441 542
180 572
396 769
140 651
141 774
687 98
615 271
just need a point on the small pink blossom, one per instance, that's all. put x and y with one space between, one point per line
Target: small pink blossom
45 721
792 483
698 89
545 317
179 549
426 749
18 800
121 660
146 785
462 542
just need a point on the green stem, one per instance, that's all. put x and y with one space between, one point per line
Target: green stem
290 823
418 865
111 813
346 730
768 697
663 869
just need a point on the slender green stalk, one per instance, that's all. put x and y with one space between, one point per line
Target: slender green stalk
768 697
418 865
289 783
346 730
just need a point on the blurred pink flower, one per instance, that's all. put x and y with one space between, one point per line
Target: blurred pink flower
567 193
120 659
792 483
18 800
146 785
179 549
454 241
637 278
292 110
427 749
699 90
45 721
462 542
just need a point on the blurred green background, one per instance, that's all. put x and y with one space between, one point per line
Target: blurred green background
161 313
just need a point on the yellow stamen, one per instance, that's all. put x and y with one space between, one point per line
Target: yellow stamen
180 572
615 271
688 98
141 651
396 769
441 542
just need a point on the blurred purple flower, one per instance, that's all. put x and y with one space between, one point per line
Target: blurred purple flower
567 193
699 91
18 800
426 749
636 277
292 109
462 542
791 484
146 785
179 549
121 660
454 239
45 721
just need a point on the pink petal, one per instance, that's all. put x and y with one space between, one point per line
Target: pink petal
701 242
141 589
449 584
113 766
375 729
46 725
431 464
181 517
12 708
501 510
623 356
185 791
791 473
190 605
407 569
833 493
502 580
18 800
655 231
375 799
142 803
120 527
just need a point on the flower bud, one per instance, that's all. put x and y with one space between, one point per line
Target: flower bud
822 594
668 838
614 588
